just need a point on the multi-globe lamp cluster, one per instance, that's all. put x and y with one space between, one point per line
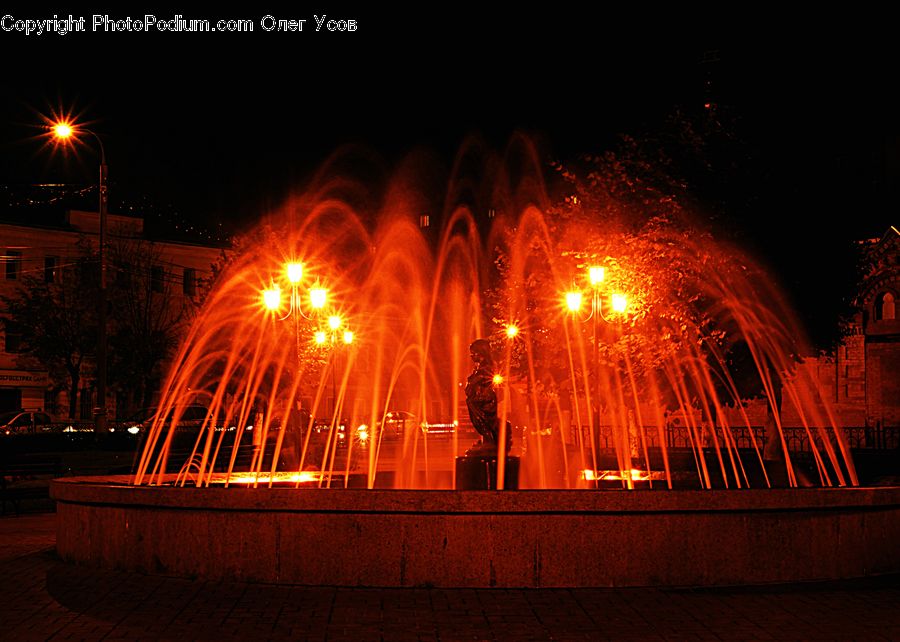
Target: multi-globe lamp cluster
318 297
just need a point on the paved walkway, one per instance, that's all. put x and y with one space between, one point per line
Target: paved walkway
42 598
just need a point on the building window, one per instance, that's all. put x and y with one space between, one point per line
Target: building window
885 308
189 282
424 220
86 399
51 264
90 270
123 275
13 265
12 341
156 278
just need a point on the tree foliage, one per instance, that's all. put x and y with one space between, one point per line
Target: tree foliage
57 320
631 211
147 317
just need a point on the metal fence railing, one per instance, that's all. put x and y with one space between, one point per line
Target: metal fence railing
797 439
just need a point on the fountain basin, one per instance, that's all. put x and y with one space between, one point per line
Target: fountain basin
552 538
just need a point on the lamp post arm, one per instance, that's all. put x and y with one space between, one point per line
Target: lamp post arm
99 143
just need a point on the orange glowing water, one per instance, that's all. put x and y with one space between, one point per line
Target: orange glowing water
335 315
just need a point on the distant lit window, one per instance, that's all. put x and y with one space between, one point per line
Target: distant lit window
189 282
157 278
885 307
51 265
13 265
424 220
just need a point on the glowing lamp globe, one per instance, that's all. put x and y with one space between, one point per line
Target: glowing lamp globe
294 272
573 301
272 298
317 298
62 130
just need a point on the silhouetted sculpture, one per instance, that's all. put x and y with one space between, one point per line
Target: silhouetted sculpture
481 400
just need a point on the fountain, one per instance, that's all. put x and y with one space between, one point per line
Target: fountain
331 355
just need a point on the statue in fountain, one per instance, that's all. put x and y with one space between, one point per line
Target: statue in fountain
481 400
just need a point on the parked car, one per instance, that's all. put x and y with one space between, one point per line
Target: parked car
321 430
292 421
192 418
445 428
397 422
24 421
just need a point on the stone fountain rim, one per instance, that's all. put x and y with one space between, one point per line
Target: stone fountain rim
480 539
119 491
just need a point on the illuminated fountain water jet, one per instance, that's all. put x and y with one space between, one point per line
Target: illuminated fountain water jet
320 451
327 312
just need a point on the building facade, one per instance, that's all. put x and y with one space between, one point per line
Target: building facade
176 275
862 377
877 335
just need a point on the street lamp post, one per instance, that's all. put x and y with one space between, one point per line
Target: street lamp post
322 337
318 296
596 275
63 131
619 304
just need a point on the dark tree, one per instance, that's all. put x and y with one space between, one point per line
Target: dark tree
57 321
148 315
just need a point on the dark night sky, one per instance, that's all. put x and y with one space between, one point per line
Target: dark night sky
223 125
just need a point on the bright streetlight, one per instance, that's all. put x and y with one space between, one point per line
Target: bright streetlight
317 298
294 272
64 132
618 302
573 301
328 339
272 298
